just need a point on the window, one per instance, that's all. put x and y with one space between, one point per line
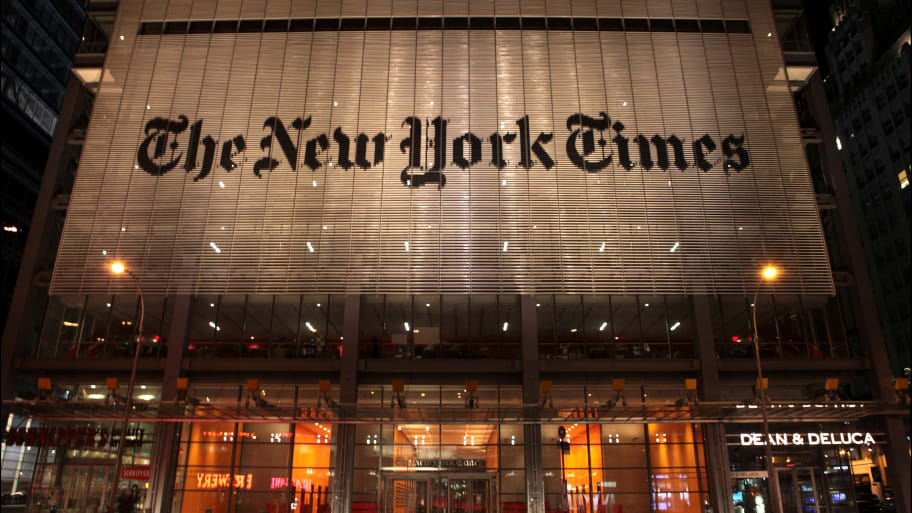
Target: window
903 177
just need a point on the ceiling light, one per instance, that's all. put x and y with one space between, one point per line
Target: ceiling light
602 248
675 326
215 247
407 327
222 184
603 326
506 243
674 247
146 397
310 247
506 326
406 246
310 327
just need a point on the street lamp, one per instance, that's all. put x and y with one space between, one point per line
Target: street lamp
769 273
119 268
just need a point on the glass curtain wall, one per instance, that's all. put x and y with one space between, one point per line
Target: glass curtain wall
624 467
254 467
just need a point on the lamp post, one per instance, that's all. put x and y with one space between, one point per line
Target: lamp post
119 268
769 273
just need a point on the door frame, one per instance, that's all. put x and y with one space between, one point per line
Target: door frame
427 476
82 503
819 486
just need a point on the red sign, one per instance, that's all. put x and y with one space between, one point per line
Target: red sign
135 472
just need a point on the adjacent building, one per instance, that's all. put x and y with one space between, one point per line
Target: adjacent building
868 53
448 256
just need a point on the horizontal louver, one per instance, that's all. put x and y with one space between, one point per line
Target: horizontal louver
358 224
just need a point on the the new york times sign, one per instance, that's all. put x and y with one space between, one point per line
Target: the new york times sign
594 143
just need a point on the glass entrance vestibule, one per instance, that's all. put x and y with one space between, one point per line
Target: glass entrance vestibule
439 492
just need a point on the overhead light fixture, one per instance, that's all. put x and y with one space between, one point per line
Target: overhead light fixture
215 247
212 324
506 243
310 247
674 247
314 183
603 326
675 326
506 325
221 184
407 327
602 248
406 246
310 327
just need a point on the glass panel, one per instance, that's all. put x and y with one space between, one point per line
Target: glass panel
285 326
75 480
459 496
627 326
788 491
202 327
599 326
94 329
257 326
680 326
372 335
229 325
807 493
98 489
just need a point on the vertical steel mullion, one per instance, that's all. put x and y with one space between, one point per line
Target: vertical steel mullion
649 481
696 451
81 326
234 444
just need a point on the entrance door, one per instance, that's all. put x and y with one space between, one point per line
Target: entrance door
802 490
86 488
439 493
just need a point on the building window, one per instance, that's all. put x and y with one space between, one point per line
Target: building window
903 179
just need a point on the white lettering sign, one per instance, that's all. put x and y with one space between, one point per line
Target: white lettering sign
783 439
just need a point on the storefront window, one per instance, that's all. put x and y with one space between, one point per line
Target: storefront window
628 467
253 467
831 465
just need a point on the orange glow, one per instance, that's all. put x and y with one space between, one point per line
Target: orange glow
580 481
673 456
117 268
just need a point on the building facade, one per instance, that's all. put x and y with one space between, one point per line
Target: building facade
868 52
448 256
40 38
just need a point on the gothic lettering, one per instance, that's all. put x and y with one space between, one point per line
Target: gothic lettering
738 149
591 125
526 148
699 155
161 128
587 147
285 143
622 146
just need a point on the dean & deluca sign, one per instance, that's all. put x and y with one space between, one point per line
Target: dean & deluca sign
782 439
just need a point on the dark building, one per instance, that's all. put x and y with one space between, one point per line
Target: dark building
869 55
449 256
40 38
